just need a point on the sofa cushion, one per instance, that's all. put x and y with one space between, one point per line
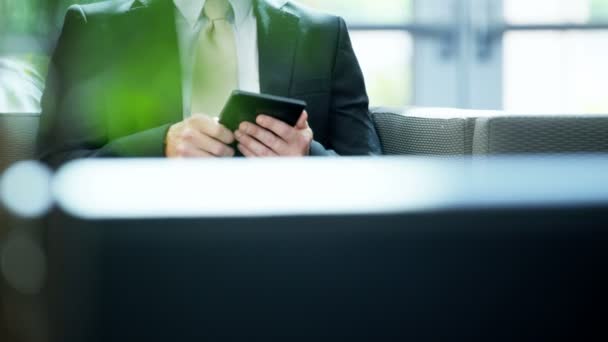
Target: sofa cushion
518 134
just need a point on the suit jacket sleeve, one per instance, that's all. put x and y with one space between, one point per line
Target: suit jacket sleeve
352 131
69 128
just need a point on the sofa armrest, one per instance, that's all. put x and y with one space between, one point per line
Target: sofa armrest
19 132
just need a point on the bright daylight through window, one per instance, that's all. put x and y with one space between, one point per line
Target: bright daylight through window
547 55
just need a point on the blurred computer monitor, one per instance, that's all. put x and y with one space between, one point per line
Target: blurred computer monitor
481 269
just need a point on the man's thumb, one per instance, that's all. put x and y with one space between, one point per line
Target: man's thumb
303 121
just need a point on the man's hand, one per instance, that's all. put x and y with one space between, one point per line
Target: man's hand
199 136
274 138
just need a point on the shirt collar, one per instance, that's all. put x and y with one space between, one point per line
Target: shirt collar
192 10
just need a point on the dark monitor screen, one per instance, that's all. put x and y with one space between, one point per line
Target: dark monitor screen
474 273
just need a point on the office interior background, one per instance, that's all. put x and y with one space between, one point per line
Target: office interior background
521 56
541 56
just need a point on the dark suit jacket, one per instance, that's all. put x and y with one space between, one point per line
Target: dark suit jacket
114 84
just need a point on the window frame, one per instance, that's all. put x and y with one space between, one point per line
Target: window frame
457 54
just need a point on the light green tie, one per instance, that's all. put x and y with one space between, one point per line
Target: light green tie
216 69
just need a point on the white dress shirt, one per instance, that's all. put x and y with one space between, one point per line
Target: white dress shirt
190 20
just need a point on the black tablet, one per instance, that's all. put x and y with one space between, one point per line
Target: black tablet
244 106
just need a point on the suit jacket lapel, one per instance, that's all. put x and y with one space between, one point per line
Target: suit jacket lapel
277 43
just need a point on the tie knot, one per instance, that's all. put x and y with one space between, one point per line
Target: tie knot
217 9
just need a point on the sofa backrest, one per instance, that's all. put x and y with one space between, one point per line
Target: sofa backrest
541 134
447 131
414 131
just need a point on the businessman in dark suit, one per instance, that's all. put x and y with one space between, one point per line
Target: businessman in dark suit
148 79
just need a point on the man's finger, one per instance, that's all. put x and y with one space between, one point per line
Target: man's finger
212 128
277 127
196 153
245 151
215 147
253 145
264 136
190 151
207 144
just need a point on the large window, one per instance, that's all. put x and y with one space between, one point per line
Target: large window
384 49
560 68
519 55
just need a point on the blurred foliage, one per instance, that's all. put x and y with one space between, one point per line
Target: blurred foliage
40 19
33 17
19 16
